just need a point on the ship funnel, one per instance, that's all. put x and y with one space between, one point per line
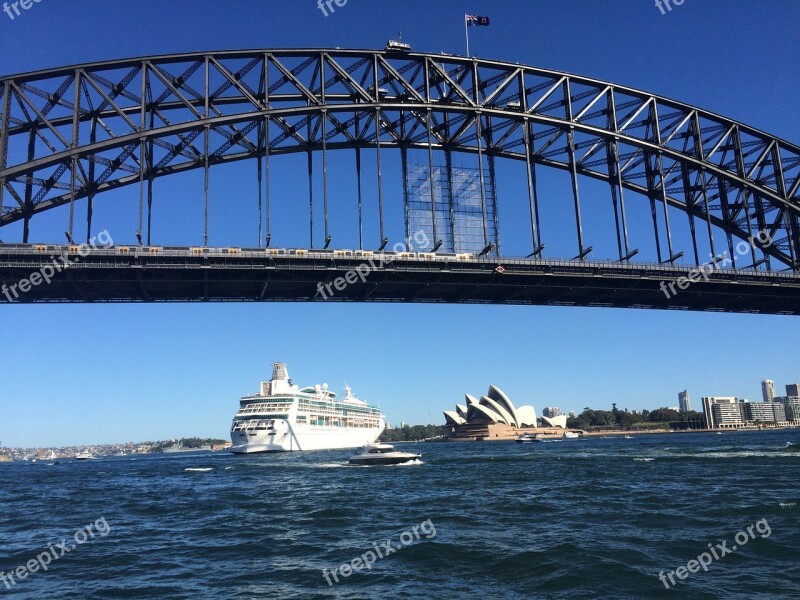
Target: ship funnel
279 372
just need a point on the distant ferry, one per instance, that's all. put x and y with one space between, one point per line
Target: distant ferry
284 418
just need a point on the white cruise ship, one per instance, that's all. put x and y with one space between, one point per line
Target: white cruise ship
283 418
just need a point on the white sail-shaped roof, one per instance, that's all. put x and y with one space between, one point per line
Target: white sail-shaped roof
484 412
559 421
527 416
498 396
453 418
472 402
495 406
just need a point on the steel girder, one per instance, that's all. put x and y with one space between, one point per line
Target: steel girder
76 132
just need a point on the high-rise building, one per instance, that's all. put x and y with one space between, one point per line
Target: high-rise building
552 411
793 390
722 411
768 390
683 402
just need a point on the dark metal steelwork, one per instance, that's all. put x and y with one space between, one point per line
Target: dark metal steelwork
77 132
142 274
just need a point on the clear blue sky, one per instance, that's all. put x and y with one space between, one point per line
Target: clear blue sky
91 374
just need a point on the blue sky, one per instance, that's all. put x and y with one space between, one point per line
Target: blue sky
91 374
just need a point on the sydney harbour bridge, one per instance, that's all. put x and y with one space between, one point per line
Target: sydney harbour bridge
530 186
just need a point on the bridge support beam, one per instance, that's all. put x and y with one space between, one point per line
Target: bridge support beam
451 201
310 187
29 188
4 133
431 180
378 128
90 185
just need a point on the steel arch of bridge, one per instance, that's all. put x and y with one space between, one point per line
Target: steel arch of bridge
76 132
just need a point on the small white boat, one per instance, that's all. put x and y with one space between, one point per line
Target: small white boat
382 454
85 455
571 435
628 437
528 438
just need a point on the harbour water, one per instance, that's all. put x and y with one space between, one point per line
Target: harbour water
589 518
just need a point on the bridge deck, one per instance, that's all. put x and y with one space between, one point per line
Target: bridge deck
148 274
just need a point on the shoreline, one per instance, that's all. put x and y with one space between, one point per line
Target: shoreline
616 433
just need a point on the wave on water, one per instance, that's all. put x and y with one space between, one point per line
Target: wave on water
199 469
644 459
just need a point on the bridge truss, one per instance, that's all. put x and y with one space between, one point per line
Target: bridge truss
74 133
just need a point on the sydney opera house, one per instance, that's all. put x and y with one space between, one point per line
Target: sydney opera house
494 416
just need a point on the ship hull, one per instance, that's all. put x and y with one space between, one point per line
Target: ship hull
289 438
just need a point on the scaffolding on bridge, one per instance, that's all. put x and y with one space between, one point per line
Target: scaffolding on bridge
464 212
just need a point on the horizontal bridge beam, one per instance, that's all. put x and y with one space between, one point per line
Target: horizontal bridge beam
145 274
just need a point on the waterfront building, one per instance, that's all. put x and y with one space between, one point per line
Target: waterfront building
765 412
728 414
494 416
684 405
791 405
793 390
722 412
552 411
768 390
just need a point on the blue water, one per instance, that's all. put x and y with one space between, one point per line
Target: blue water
591 518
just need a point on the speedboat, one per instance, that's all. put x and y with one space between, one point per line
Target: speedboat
571 435
85 455
382 454
528 438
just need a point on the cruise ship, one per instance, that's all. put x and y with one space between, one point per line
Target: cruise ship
284 418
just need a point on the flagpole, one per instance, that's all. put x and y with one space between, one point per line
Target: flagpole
466 31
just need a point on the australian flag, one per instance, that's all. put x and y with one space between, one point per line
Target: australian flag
472 20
